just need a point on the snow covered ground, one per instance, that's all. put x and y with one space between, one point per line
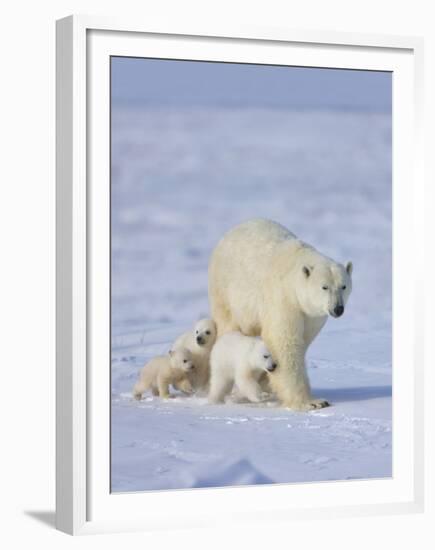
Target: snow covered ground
180 179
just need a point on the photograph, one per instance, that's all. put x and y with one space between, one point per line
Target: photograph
250 274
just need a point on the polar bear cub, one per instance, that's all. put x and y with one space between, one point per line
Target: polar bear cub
241 360
199 342
164 370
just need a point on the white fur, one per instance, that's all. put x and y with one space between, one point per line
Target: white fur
199 341
238 359
165 370
264 281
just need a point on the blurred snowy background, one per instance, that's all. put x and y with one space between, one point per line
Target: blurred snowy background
196 149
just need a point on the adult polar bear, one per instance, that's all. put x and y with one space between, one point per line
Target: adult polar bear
264 281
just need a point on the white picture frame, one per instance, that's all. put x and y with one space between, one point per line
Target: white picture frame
83 500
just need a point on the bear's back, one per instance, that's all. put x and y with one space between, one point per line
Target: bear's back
246 252
261 231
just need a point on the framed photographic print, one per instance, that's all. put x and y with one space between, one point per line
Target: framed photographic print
239 254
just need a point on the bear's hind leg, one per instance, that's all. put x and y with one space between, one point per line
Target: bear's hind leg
221 315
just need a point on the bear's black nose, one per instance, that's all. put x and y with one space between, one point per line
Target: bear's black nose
199 340
272 367
338 311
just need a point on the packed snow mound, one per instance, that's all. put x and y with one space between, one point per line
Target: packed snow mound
231 473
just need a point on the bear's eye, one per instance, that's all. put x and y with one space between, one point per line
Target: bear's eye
343 287
324 287
207 332
266 356
197 331
184 360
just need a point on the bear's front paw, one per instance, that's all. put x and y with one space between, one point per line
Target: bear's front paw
215 400
318 404
255 399
309 405
265 395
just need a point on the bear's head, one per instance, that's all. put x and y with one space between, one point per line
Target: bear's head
324 288
205 333
260 357
181 359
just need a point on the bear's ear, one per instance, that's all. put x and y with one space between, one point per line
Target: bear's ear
349 268
306 270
